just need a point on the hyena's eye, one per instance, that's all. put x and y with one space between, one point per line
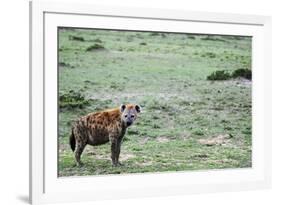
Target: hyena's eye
132 116
126 116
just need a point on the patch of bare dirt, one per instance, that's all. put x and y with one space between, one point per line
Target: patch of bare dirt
242 82
126 156
144 140
100 156
123 156
221 139
200 156
185 135
146 163
91 153
162 139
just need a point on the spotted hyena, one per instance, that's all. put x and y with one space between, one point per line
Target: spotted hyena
102 127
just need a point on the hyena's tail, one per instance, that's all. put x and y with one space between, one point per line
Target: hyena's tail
72 141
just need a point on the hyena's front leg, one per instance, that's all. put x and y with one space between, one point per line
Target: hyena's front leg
119 142
114 150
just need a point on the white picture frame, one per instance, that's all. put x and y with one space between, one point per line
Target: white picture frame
46 187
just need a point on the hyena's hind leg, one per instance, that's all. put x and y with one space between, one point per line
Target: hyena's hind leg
78 144
78 151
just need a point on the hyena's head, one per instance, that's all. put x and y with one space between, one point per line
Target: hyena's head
129 113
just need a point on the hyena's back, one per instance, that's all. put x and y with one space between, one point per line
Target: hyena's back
95 128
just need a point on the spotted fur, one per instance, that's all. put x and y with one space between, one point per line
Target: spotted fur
102 127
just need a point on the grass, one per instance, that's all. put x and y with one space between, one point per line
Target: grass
167 75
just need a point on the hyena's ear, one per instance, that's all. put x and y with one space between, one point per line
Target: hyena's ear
122 107
138 108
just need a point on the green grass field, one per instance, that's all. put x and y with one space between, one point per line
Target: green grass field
187 122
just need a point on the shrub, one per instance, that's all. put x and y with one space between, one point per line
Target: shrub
191 37
97 40
76 38
225 75
212 38
244 73
96 46
63 64
73 99
209 54
154 34
219 75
